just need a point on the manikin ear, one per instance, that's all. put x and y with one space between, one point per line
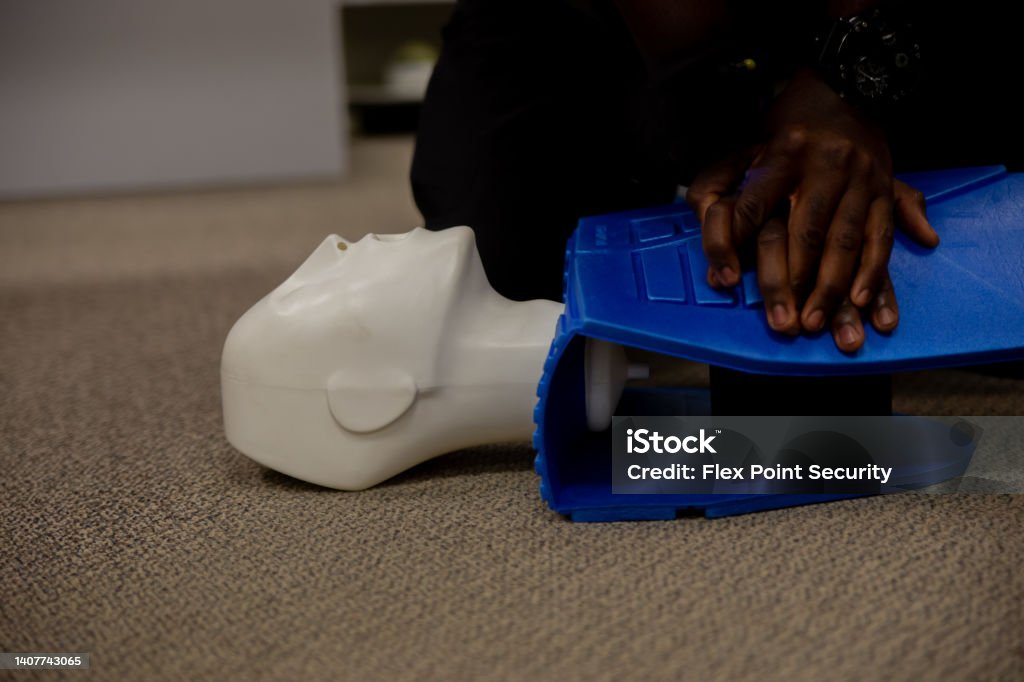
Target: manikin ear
364 399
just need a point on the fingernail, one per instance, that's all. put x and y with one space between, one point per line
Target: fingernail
847 335
726 275
815 320
780 315
886 317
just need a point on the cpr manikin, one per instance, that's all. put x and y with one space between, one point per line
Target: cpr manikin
379 354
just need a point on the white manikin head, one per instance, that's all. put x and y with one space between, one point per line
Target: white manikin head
379 354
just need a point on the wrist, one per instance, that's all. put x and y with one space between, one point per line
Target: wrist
804 96
808 103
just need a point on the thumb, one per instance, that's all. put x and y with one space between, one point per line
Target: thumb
718 180
912 215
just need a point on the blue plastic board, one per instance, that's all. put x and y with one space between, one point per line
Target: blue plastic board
637 278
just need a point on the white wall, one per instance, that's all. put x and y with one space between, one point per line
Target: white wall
129 94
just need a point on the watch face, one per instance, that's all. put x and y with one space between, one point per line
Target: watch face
877 60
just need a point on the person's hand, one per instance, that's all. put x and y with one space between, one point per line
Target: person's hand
820 198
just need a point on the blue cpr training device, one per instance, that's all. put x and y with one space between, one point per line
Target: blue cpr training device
637 279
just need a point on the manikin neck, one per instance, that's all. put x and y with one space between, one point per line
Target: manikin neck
500 343
492 364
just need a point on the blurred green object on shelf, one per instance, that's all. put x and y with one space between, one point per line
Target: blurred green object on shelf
408 72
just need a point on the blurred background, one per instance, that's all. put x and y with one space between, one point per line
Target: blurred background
128 95
139 137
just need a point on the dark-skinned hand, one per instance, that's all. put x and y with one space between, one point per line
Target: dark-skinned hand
821 202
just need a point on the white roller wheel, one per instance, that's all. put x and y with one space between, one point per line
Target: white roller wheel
606 371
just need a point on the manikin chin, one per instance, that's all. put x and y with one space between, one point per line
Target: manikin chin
379 354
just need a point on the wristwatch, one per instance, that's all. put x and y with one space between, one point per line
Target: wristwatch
873 60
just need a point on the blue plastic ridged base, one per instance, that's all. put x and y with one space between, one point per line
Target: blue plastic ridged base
637 279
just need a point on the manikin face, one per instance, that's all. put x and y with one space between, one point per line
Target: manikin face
384 300
361 364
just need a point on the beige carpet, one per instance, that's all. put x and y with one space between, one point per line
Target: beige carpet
132 530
